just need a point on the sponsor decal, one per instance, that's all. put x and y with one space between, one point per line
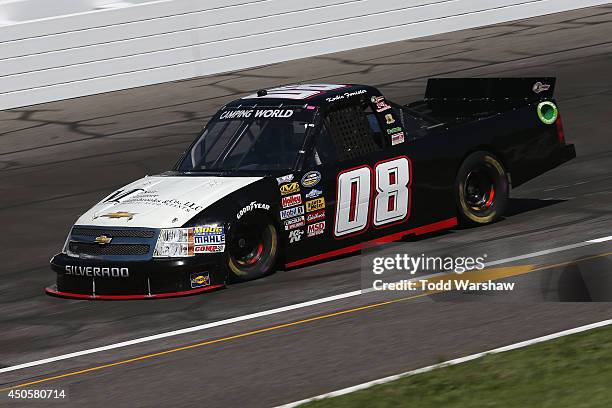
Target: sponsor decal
316 204
389 119
316 229
119 214
381 105
291 212
257 113
154 198
294 223
103 240
394 130
149 197
208 229
295 235
540 87
397 138
253 205
208 249
315 216
290 188
119 195
97 272
187 206
345 95
237 114
208 239
314 193
284 179
199 280
311 179
292 200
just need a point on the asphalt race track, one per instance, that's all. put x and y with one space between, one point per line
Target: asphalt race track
58 159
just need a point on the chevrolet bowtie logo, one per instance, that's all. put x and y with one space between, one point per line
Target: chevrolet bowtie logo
120 214
103 240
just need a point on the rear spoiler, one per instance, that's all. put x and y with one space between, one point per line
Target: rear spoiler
526 89
485 94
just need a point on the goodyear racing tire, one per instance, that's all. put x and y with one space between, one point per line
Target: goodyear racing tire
252 248
481 189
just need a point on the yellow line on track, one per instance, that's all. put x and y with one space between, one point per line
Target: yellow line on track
472 276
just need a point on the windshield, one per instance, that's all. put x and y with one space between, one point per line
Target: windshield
250 139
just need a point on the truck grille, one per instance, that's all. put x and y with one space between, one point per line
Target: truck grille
83 248
123 233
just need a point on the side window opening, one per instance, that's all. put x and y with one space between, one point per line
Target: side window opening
323 151
352 133
377 132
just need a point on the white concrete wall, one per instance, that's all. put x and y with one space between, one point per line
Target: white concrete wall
106 45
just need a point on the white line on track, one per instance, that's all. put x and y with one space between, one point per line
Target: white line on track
598 240
459 360
265 313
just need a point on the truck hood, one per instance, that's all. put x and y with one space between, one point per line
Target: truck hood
161 201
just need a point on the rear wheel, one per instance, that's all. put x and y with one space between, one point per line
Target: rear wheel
252 249
481 188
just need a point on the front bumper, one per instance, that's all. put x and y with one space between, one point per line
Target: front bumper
96 279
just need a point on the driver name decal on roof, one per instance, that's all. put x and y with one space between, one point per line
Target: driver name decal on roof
302 91
345 95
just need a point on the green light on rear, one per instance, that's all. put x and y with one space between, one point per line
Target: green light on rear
547 112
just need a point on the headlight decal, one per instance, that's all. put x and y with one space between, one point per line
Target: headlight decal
174 243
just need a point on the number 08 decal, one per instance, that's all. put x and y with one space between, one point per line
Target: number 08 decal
390 196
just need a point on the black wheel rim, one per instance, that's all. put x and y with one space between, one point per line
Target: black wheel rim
479 188
247 246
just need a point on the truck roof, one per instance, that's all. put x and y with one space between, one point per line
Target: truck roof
305 94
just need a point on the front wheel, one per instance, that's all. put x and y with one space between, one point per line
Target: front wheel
481 189
252 249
